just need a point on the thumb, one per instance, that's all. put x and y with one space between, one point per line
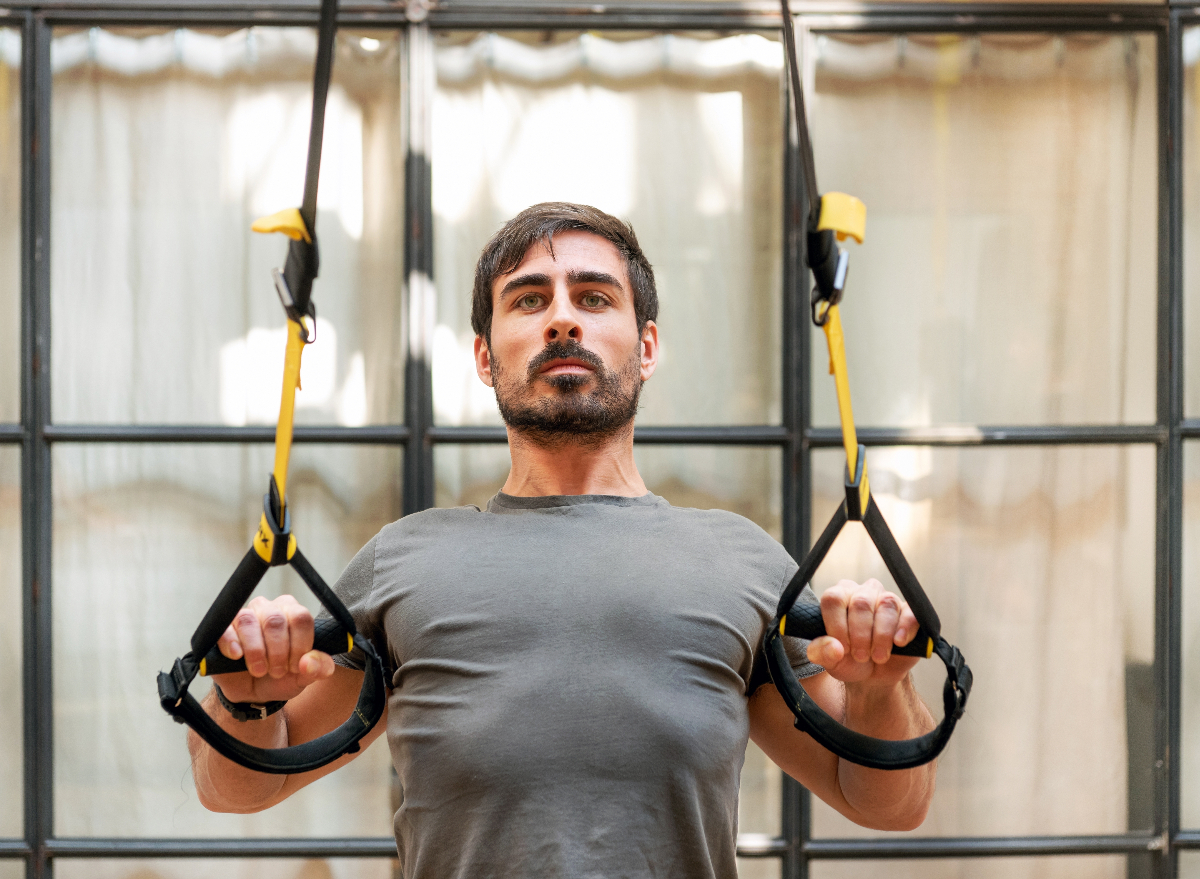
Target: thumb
826 651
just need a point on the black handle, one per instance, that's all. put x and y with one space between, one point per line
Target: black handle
804 620
328 636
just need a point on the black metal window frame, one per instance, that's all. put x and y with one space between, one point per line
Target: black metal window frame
36 434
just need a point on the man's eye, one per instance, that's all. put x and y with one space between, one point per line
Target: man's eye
593 300
531 301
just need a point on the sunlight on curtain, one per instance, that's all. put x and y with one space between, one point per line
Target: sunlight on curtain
760 868
1040 562
12 798
226 868
1009 274
10 225
165 148
678 135
144 538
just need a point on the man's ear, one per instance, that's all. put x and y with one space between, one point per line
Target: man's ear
483 361
649 349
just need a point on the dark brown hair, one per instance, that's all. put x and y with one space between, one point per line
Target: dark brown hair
539 223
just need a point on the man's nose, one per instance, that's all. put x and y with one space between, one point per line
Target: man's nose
562 322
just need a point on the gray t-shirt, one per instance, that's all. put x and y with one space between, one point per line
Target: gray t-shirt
570 686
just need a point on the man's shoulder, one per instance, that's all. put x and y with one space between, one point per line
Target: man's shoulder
425 523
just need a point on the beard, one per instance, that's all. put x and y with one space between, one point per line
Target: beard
571 414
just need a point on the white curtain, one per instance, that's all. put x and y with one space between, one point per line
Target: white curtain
1008 277
165 147
11 799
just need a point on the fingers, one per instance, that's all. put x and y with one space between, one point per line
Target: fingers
274 636
865 620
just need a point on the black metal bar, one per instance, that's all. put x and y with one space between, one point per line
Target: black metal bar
203 433
966 435
983 846
418 266
303 847
719 16
11 433
749 435
797 416
37 680
749 845
1168 592
1189 428
11 849
1186 839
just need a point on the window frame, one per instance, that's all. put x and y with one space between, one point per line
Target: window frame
795 437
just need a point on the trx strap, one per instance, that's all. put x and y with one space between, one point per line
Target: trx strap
833 217
274 544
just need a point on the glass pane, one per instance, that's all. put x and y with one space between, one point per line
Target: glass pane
682 137
759 868
1040 562
1010 270
1190 719
1058 867
165 148
10 224
1191 218
12 799
226 868
144 538
12 869
746 481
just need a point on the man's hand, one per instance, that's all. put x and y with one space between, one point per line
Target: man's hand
862 624
276 639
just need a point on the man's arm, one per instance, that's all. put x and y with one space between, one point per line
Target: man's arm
869 691
276 639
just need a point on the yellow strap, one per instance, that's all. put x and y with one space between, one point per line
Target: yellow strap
265 539
288 221
844 214
841 379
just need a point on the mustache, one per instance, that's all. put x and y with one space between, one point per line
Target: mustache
562 351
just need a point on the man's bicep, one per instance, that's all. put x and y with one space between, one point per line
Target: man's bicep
321 708
773 729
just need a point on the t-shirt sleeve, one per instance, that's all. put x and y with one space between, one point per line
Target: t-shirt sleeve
797 648
353 587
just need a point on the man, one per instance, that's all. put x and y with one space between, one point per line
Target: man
579 665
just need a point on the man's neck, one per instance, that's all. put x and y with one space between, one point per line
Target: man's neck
567 468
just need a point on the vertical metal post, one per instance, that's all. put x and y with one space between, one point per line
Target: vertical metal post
797 467
36 519
418 265
1169 531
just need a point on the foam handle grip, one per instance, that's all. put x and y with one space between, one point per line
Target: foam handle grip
804 621
328 637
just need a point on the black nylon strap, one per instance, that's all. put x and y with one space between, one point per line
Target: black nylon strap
180 704
810 717
299 271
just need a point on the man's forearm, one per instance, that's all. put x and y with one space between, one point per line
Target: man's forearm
899 797
224 786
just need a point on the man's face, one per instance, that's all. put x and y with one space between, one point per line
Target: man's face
566 358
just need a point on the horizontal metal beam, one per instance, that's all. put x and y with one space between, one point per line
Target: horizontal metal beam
983 847
11 433
350 847
1189 428
735 435
204 433
1189 839
749 845
968 435
14 848
581 15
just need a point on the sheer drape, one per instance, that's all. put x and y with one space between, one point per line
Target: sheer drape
165 148
1009 276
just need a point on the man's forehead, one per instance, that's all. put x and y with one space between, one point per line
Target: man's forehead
572 249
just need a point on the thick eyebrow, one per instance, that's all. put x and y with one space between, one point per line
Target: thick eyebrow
589 276
536 279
